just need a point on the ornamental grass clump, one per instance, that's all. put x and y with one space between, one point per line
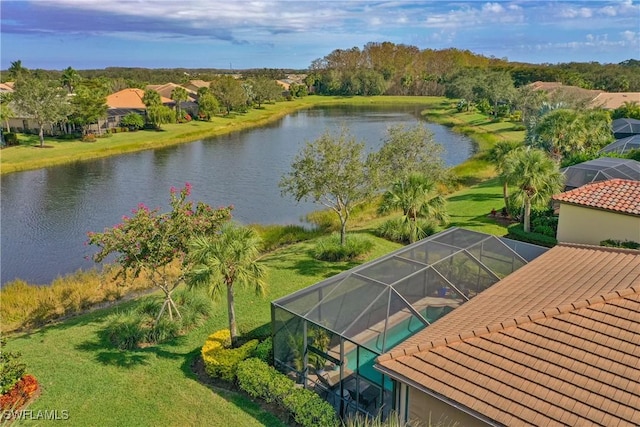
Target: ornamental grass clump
330 249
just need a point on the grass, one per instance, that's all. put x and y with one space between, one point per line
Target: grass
99 385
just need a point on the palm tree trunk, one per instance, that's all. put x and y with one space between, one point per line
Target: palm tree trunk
527 215
41 136
505 194
232 315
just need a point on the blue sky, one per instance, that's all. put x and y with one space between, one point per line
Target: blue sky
238 34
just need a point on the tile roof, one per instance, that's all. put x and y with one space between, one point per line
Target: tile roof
556 342
130 98
618 195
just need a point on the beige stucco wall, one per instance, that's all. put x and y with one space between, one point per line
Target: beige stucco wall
431 411
591 226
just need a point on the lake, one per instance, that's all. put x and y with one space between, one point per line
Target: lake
46 213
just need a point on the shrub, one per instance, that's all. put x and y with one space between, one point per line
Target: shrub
397 230
11 138
330 249
221 361
19 394
11 369
516 232
132 121
89 138
262 381
264 350
125 330
627 244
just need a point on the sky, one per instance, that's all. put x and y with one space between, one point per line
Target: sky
242 34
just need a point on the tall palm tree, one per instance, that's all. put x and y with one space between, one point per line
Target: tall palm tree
535 176
497 155
417 196
70 79
224 260
179 95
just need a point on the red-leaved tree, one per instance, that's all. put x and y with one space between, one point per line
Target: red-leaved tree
152 242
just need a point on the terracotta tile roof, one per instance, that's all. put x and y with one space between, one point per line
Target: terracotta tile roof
167 89
555 343
130 98
618 195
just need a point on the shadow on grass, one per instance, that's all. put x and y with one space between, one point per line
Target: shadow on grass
312 267
193 368
475 197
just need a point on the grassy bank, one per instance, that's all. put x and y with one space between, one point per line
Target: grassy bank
29 155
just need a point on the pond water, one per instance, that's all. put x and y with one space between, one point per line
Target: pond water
46 213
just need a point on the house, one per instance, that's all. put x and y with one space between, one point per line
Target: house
166 90
556 342
591 98
194 85
600 211
127 101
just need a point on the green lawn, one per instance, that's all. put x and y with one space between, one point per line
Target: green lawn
99 385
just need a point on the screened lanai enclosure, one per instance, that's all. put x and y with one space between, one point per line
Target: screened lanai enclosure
601 169
328 335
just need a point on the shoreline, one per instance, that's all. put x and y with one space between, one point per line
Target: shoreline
31 157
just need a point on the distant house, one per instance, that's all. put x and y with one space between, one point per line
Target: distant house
600 211
166 90
194 85
592 98
7 87
555 343
125 102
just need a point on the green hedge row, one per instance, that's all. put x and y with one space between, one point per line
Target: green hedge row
259 380
516 232
223 362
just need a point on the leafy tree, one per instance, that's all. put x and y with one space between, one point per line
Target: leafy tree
223 261
70 78
497 155
132 121
497 87
331 171
463 86
152 243
265 89
229 92
535 177
89 105
179 95
159 115
6 112
528 101
42 100
417 196
151 98
406 150
208 105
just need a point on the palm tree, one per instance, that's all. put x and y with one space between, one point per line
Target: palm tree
224 260
497 154
70 79
418 197
179 95
535 176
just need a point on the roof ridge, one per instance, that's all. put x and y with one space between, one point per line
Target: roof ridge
599 248
512 322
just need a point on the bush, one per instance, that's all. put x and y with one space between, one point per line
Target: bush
330 249
221 361
275 236
626 244
259 380
11 369
264 350
397 230
132 121
516 232
125 330
11 138
19 394
89 138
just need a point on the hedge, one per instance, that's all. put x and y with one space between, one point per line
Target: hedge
516 232
221 361
259 380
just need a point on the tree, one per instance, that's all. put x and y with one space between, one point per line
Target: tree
331 171
89 105
630 110
405 151
208 106
159 115
16 71
42 100
133 121
497 87
265 89
70 78
229 92
151 98
535 176
497 155
6 112
152 243
179 94
417 196
223 261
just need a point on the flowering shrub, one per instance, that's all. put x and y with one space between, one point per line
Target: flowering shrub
150 241
19 394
